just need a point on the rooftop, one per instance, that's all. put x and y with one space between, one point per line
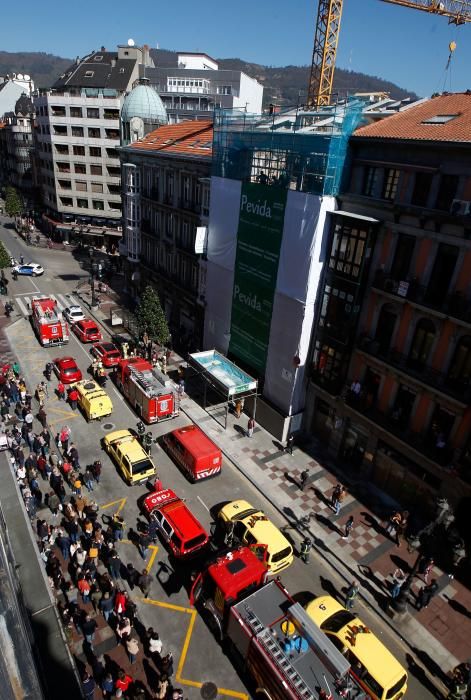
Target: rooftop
444 118
189 138
100 69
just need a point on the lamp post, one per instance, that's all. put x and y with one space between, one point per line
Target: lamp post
94 270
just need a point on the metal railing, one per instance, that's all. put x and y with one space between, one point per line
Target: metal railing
455 304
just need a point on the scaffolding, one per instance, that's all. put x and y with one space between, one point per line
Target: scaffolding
297 150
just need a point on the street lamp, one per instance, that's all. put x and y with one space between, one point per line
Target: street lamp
95 267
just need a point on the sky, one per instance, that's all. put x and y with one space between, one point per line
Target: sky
406 46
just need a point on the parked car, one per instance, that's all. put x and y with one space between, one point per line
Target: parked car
67 370
87 331
74 313
107 353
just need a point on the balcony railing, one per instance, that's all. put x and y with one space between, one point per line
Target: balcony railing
455 304
457 388
421 442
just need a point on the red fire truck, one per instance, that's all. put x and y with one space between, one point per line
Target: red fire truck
148 390
48 323
268 634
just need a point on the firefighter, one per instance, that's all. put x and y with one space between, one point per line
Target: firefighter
306 546
141 429
48 371
94 367
14 274
148 443
101 375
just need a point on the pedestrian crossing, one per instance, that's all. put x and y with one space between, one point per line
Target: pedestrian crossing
24 302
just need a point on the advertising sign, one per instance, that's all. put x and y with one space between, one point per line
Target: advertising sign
259 235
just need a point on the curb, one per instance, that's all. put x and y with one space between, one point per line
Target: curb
326 555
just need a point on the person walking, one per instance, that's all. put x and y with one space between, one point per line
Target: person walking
250 427
89 626
132 647
348 528
61 391
306 546
106 605
289 445
426 594
143 544
88 686
42 417
73 399
425 567
398 578
96 470
338 495
351 594
114 565
304 479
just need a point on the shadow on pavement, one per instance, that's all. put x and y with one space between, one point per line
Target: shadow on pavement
330 589
432 667
303 597
457 606
419 673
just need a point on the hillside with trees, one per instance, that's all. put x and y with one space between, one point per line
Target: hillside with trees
284 85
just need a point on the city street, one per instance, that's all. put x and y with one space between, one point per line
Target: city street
198 659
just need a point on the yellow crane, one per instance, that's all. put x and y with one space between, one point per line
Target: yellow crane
329 16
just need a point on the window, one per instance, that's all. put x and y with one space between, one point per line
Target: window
63 167
81 185
348 250
446 192
99 57
60 130
114 189
78 150
94 133
96 169
336 311
421 344
65 184
440 119
330 365
402 256
66 201
82 203
403 405
385 328
224 90
114 171
80 168
369 181
112 152
97 187
95 152
77 131
76 112
422 185
89 73
460 366
98 204
442 273
391 179
93 113
57 111
116 206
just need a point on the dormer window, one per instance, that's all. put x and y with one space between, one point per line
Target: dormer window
98 58
440 119
89 74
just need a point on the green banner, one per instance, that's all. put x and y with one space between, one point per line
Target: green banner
259 234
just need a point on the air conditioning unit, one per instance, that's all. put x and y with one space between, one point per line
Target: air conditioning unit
460 207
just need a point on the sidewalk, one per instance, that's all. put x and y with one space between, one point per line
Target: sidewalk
439 636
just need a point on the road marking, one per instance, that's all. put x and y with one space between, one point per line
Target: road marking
150 563
62 301
203 503
34 285
121 501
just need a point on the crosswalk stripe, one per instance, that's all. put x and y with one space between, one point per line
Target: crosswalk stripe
24 303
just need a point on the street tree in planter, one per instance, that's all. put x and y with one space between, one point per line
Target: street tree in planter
13 202
4 257
151 318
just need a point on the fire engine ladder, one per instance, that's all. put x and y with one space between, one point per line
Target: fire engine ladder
142 381
265 638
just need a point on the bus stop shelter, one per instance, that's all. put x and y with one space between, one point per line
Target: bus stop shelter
224 377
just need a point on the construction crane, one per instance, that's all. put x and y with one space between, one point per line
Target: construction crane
329 16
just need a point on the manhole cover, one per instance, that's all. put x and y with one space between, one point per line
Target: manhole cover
209 690
107 426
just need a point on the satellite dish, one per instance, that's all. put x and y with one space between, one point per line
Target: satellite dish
131 42
27 77
20 76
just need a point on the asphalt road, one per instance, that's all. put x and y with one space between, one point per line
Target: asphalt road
199 658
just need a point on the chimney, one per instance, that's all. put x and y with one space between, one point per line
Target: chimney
103 48
113 63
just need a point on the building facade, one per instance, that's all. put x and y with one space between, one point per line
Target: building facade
77 137
16 149
390 385
196 86
166 208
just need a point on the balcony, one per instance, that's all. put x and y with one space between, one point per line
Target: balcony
424 443
454 305
425 374
189 205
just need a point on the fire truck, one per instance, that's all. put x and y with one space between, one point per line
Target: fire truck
48 323
268 635
148 390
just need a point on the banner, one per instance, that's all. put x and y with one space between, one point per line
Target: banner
259 235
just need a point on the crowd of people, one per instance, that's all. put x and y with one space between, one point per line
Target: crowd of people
79 548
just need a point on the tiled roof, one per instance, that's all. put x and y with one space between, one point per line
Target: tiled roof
101 69
189 138
449 118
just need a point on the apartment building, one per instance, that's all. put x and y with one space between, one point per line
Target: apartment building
77 136
196 85
390 385
166 206
16 146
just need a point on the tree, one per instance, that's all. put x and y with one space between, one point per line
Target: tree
151 318
4 257
13 202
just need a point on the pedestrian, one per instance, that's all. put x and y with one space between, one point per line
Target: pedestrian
393 523
124 628
289 445
399 578
132 647
426 594
64 437
304 479
426 565
166 665
53 502
77 486
348 528
42 417
96 470
143 544
351 594
132 576
107 686
123 681
162 687
114 565
238 408
61 391
250 426
73 399
88 478
88 686
74 456
89 626
306 546
117 525
154 643
84 587
106 605
144 582
338 495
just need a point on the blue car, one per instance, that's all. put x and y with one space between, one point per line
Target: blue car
31 269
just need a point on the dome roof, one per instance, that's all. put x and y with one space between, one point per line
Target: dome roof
144 102
24 105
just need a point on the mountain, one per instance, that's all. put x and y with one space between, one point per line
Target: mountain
284 85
